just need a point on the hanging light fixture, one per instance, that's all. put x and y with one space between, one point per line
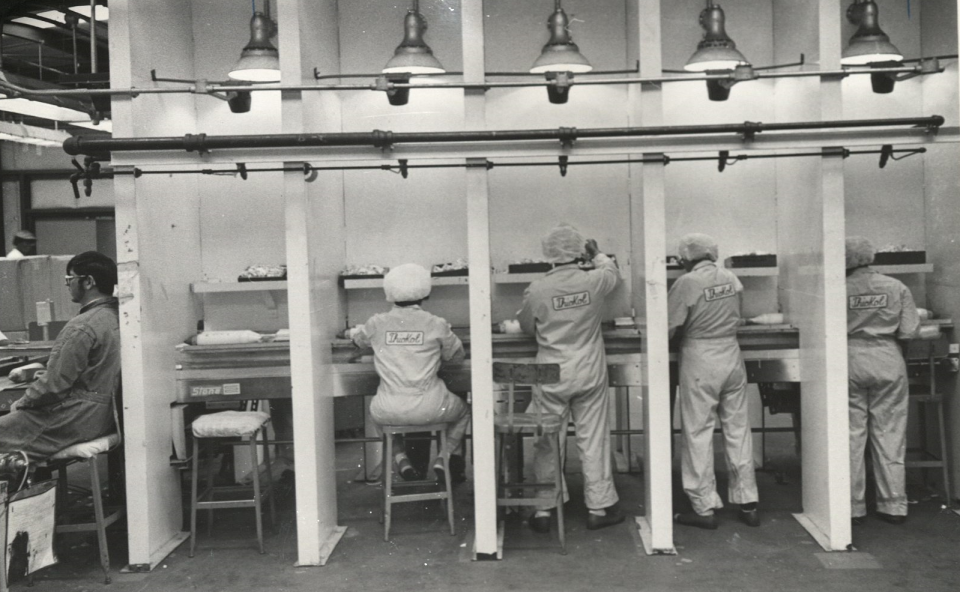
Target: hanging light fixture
412 56
259 61
716 52
870 46
560 58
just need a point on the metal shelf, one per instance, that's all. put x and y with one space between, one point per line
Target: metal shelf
906 268
221 287
358 284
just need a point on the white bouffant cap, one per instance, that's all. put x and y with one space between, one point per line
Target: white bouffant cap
563 244
695 247
406 283
860 252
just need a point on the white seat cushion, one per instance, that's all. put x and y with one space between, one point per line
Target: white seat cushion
88 449
226 424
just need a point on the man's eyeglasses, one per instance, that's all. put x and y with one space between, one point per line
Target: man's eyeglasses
67 278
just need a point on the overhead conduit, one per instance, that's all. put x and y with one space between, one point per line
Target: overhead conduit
101 147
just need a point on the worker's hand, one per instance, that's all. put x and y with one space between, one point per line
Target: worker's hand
15 405
591 249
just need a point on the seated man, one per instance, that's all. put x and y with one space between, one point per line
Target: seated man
73 401
24 245
409 344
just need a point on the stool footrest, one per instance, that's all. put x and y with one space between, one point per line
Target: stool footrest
418 497
91 526
226 504
528 485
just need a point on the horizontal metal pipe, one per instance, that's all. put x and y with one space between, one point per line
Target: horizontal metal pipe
214 88
380 139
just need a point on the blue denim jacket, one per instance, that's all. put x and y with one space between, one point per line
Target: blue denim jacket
85 360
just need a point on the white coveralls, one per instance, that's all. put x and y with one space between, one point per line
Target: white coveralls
409 345
563 310
880 310
705 303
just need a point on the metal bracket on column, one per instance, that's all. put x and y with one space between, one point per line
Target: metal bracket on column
750 130
309 173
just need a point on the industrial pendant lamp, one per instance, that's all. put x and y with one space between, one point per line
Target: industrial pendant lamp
560 57
716 52
412 56
259 60
870 46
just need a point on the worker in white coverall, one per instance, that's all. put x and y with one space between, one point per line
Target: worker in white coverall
880 311
563 310
409 344
704 305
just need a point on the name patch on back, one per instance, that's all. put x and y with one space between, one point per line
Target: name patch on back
719 292
867 301
571 301
404 337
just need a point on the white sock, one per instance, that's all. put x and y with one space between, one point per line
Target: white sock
400 456
598 512
542 514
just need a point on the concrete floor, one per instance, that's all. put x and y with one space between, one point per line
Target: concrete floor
923 554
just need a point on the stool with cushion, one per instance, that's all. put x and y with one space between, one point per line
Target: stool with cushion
85 452
210 432
538 424
390 497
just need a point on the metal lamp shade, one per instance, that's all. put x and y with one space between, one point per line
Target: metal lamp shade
560 54
259 60
869 45
715 58
716 51
863 51
564 57
413 55
413 60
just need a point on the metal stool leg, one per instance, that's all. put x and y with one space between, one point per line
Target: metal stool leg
194 477
447 478
96 493
211 477
558 481
386 469
252 438
266 457
944 456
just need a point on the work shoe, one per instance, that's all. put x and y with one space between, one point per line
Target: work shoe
891 518
693 519
439 471
750 517
406 470
612 516
540 524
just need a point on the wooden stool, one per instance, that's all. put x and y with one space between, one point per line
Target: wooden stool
214 429
539 424
438 431
85 452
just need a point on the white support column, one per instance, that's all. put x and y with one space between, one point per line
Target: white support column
314 234
814 296
309 289
648 261
478 253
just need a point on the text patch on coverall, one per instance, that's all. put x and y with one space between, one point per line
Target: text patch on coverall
868 301
719 292
404 337
571 301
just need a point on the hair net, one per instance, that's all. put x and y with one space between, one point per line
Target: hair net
406 283
860 252
695 246
563 244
